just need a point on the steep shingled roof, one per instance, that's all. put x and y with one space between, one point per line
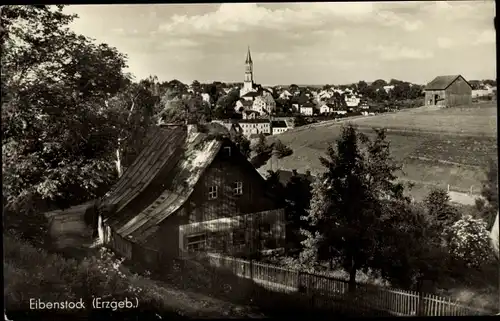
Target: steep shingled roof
169 187
442 82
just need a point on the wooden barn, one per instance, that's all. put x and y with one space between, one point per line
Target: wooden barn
448 91
189 190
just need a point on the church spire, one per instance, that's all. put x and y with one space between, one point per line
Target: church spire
249 57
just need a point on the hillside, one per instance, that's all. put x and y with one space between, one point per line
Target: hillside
436 146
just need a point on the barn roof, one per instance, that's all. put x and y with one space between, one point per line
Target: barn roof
442 82
172 178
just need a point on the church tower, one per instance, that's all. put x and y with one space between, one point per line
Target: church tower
248 82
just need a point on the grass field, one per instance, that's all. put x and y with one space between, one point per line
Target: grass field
436 146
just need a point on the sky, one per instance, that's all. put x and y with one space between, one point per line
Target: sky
301 43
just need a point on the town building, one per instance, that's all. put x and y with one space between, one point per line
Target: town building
279 127
307 109
448 91
253 127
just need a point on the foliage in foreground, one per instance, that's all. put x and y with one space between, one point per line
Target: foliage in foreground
33 273
468 241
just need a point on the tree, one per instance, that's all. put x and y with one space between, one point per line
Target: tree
281 150
225 105
347 201
132 111
487 208
297 195
262 151
409 252
58 140
243 144
438 206
196 86
379 83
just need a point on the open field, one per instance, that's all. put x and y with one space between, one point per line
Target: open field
436 146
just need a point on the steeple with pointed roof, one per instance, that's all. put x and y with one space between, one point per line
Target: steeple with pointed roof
248 83
249 57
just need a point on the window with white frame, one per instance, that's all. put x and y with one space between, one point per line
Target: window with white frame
212 192
227 151
238 188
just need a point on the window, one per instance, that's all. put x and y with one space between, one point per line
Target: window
239 237
196 242
238 188
227 151
212 192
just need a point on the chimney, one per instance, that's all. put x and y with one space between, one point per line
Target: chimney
294 172
308 173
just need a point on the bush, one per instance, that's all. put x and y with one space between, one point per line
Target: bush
33 273
468 241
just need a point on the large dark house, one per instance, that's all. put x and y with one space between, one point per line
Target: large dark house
189 190
448 91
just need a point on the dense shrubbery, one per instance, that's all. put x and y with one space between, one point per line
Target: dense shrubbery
468 242
33 273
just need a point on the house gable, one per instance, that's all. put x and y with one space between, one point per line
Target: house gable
240 189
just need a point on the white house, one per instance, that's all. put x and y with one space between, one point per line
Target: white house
388 88
206 97
352 101
326 108
307 110
480 93
279 127
255 126
285 94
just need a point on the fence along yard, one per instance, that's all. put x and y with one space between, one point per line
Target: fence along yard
324 291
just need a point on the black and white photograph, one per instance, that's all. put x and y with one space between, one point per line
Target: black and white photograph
171 161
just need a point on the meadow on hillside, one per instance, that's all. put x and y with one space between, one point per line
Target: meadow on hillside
436 147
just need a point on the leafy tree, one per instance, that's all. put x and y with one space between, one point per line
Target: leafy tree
379 83
58 135
132 110
488 209
196 86
438 206
262 150
225 105
281 150
347 202
275 186
409 252
243 144
297 195
55 85
300 120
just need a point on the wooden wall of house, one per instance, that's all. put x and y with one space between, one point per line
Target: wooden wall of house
223 173
459 93
429 97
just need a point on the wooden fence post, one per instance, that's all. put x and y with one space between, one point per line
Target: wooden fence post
251 269
421 304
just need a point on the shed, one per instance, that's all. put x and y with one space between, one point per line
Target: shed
449 91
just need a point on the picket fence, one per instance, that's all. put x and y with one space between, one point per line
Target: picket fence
325 291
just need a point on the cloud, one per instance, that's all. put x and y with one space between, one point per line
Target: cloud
269 56
444 42
391 19
236 17
398 52
486 37
178 43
